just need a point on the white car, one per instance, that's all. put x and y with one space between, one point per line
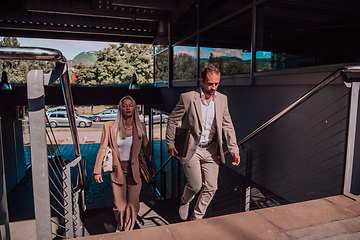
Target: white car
107 115
156 118
57 109
59 118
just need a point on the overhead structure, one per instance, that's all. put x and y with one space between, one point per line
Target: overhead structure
221 23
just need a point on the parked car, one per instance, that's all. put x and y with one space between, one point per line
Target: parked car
59 118
106 115
156 118
58 109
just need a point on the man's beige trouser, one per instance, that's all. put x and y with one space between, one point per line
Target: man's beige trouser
202 173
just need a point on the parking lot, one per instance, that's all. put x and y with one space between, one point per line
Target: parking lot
93 134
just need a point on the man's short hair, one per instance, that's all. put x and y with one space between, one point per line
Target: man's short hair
209 69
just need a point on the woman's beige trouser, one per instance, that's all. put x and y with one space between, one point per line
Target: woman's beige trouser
126 199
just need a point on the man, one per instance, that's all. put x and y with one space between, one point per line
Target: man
205 112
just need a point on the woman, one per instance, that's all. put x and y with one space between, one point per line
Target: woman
126 136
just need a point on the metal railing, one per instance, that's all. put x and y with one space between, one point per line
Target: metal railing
294 159
290 159
169 179
57 201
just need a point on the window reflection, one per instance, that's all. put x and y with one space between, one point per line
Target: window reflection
161 65
229 61
185 63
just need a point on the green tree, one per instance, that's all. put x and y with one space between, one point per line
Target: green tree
117 64
108 66
161 66
234 67
85 75
138 60
217 62
184 66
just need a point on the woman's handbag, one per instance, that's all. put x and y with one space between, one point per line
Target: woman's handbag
107 164
144 170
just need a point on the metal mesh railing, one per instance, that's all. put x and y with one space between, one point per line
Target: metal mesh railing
62 189
169 179
301 155
57 205
300 161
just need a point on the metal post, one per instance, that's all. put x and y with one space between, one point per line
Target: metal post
354 98
170 56
198 45
4 218
173 177
163 184
15 151
248 179
78 231
161 148
154 64
253 44
179 179
68 202
39 164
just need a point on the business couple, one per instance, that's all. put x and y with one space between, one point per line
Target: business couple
205 112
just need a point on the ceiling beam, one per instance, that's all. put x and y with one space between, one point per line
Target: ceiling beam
79 30
86 11
168 5
71 21
182 8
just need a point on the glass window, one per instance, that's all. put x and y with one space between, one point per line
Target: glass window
293 34
161 64
227 45
229 61
185 63
61 115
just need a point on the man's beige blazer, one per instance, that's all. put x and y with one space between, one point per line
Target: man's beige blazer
188 111
109 138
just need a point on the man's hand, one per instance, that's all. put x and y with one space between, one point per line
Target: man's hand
98 178
237 159
173 152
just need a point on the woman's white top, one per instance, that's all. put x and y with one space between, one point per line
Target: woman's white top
124 146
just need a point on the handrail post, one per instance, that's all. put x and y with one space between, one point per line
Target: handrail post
39 162
173 177
163 184
179 179
248 176
68 202
353 109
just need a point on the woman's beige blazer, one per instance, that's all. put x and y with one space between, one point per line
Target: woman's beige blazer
109 138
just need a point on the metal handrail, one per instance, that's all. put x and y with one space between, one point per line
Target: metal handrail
167 161
60 71
47 54
31 53
321 85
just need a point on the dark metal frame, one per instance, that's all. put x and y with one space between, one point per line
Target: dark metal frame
39 160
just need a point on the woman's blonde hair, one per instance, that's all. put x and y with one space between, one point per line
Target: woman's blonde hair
119 125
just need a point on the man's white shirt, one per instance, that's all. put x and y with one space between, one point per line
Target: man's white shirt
208 119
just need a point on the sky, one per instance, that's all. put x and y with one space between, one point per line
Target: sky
221 52
69 48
